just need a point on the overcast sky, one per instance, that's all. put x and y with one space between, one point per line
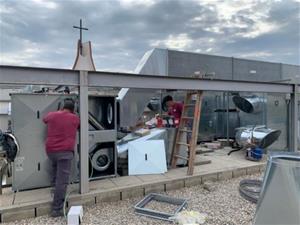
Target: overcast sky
39 32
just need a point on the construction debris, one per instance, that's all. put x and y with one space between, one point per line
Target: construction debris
213 145
190 217
209 186
142 132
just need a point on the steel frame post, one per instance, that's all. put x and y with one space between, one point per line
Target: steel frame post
84 129
227 117
294 119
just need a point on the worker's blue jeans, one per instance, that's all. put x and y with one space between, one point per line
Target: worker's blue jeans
61 169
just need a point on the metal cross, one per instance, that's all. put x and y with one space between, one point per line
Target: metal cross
80 28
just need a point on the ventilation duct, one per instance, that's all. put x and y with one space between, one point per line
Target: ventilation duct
279 201
249 104
260 136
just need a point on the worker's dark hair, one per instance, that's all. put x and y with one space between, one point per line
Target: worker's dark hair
164 102
69 104
167 98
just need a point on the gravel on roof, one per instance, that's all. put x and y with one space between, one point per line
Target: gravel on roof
221 202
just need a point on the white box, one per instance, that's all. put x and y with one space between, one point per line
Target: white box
75 215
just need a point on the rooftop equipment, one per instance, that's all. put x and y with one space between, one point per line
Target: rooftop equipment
279 201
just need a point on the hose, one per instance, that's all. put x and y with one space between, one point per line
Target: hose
70 192
65 202
250 189
234 150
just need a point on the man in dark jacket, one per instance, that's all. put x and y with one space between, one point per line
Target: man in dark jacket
61 138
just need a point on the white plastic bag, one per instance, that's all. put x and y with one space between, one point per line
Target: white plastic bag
190 218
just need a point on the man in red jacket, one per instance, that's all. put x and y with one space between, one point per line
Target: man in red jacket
174 108
61 138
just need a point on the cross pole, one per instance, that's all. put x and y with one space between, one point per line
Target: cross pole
80 29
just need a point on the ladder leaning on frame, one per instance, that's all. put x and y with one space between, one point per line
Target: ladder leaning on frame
190 126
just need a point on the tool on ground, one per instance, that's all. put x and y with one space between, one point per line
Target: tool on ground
188 125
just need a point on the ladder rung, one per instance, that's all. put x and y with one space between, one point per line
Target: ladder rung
187 131
187 118
189 105
182 143
182 157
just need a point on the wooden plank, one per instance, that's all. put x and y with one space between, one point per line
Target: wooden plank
193 130
182 143
202 151
179 135
202 162
193 141
184 130
181 157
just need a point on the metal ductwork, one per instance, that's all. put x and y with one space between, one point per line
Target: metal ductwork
249 104
279 201
260 136
132 102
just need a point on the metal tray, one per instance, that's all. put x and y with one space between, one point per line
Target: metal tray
140 207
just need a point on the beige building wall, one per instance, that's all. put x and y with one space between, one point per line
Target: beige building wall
3 122
4 108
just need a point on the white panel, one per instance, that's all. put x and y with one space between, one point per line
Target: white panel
4 108
147 157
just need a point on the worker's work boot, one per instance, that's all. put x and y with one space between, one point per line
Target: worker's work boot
56 213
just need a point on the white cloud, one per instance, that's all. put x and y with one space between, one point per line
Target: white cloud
5 9
121 33
259 28
46 4
227 9
134 3
214 29
180 42
28 54
235 15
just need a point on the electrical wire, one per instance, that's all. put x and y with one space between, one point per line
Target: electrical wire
92 170
65 201
14 197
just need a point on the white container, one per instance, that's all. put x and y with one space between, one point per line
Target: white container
75 215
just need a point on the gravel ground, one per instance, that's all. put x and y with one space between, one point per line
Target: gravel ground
221 201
